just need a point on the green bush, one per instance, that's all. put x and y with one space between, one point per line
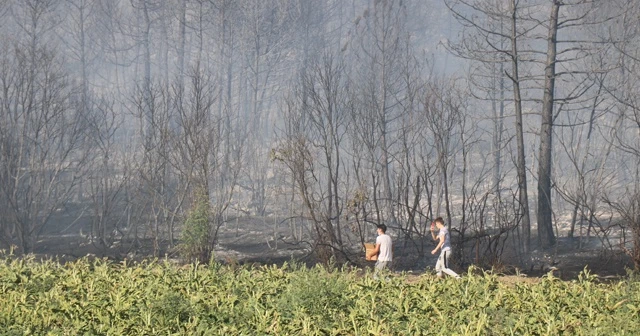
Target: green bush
196 234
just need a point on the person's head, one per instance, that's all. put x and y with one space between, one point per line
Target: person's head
382 229
439 222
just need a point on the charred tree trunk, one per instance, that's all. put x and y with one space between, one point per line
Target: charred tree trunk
546 237
521 166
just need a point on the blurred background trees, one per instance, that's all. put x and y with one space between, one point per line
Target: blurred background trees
126 118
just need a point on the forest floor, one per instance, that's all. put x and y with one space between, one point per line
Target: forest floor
252 241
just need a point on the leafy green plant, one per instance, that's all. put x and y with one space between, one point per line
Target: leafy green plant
327 298
195 239
100 297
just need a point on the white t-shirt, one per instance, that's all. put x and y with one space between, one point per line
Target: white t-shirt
386 252
446 246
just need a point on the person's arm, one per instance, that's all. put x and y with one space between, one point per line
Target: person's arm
433 231
441 237
375 251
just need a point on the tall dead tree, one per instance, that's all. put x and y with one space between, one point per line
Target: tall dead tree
493 33
379 52
312 148
41 154
265 36
574 49
442 116
546 237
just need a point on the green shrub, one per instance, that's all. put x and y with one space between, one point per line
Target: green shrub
196 234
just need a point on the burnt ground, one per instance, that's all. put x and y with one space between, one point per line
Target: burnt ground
254 241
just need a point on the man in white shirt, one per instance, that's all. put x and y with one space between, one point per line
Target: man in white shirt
444 244
383 249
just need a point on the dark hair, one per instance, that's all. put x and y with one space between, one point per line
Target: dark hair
439 220
382 227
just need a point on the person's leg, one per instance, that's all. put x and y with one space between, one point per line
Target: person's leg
440 265
379 268
446 269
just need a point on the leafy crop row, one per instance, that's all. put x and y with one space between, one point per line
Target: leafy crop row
100 297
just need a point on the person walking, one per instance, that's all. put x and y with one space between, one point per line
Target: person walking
383 249
444 245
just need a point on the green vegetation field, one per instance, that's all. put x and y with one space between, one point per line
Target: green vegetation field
159 298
